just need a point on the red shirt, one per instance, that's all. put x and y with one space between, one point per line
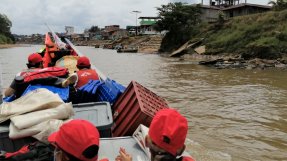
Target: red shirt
85 75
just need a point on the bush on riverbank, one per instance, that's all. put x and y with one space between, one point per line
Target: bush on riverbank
261 35
5 40
5 34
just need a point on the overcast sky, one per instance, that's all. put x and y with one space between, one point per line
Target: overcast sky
29 16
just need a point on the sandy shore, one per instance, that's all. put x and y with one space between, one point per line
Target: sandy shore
3 46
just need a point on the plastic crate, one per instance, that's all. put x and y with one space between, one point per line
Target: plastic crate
99 113
95 90
115 87
137 105
9 145
104 94
87 93
109 148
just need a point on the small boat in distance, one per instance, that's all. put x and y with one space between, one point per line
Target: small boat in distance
127 50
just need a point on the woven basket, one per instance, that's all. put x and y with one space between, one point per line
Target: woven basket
69 62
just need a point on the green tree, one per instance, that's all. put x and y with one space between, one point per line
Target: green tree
180 21
5 26
94 29
278 5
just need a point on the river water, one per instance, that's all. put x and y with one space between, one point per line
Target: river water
233 114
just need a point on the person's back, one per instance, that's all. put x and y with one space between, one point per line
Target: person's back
84 75
85 72
35 62
166 137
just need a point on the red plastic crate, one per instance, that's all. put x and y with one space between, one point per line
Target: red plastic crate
137 105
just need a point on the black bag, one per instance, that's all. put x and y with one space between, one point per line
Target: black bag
36 151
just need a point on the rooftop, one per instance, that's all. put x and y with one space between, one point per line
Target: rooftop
247 4
147 22
149 17
234 6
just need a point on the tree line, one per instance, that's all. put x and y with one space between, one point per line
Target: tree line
5 34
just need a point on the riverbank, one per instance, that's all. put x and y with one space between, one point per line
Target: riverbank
253 41
253 36
230 62
3 46
148 44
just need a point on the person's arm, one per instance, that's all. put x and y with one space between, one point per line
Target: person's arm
10 90
123 156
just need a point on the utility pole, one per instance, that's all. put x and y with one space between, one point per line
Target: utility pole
136 12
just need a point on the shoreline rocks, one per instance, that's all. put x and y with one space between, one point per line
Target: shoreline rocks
245 64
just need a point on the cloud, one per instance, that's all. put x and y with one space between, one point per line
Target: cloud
30 16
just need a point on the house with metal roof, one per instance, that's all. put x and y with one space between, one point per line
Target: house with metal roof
230 8
244 9
147 25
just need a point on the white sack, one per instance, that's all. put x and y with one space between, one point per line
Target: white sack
41 130
32 101
51 127
61 112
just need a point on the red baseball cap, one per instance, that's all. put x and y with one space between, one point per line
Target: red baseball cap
35 58
168 130
83 62
76 137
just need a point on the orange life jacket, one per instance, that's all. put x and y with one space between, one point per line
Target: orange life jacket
85 75
44 73
51 47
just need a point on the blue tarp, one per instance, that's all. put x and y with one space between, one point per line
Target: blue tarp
10 98
62 92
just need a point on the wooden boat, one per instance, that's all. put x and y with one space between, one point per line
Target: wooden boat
123 127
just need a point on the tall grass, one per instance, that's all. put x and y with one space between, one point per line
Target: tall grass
246 33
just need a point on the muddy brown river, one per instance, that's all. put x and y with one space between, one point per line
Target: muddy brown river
233 114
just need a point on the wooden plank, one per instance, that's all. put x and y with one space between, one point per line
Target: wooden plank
185 46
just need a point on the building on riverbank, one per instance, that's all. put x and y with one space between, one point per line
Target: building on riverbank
113 32
209 13
244 9
147 25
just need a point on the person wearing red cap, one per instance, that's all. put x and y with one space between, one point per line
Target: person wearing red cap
34 62
165 139
76 140
84 74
